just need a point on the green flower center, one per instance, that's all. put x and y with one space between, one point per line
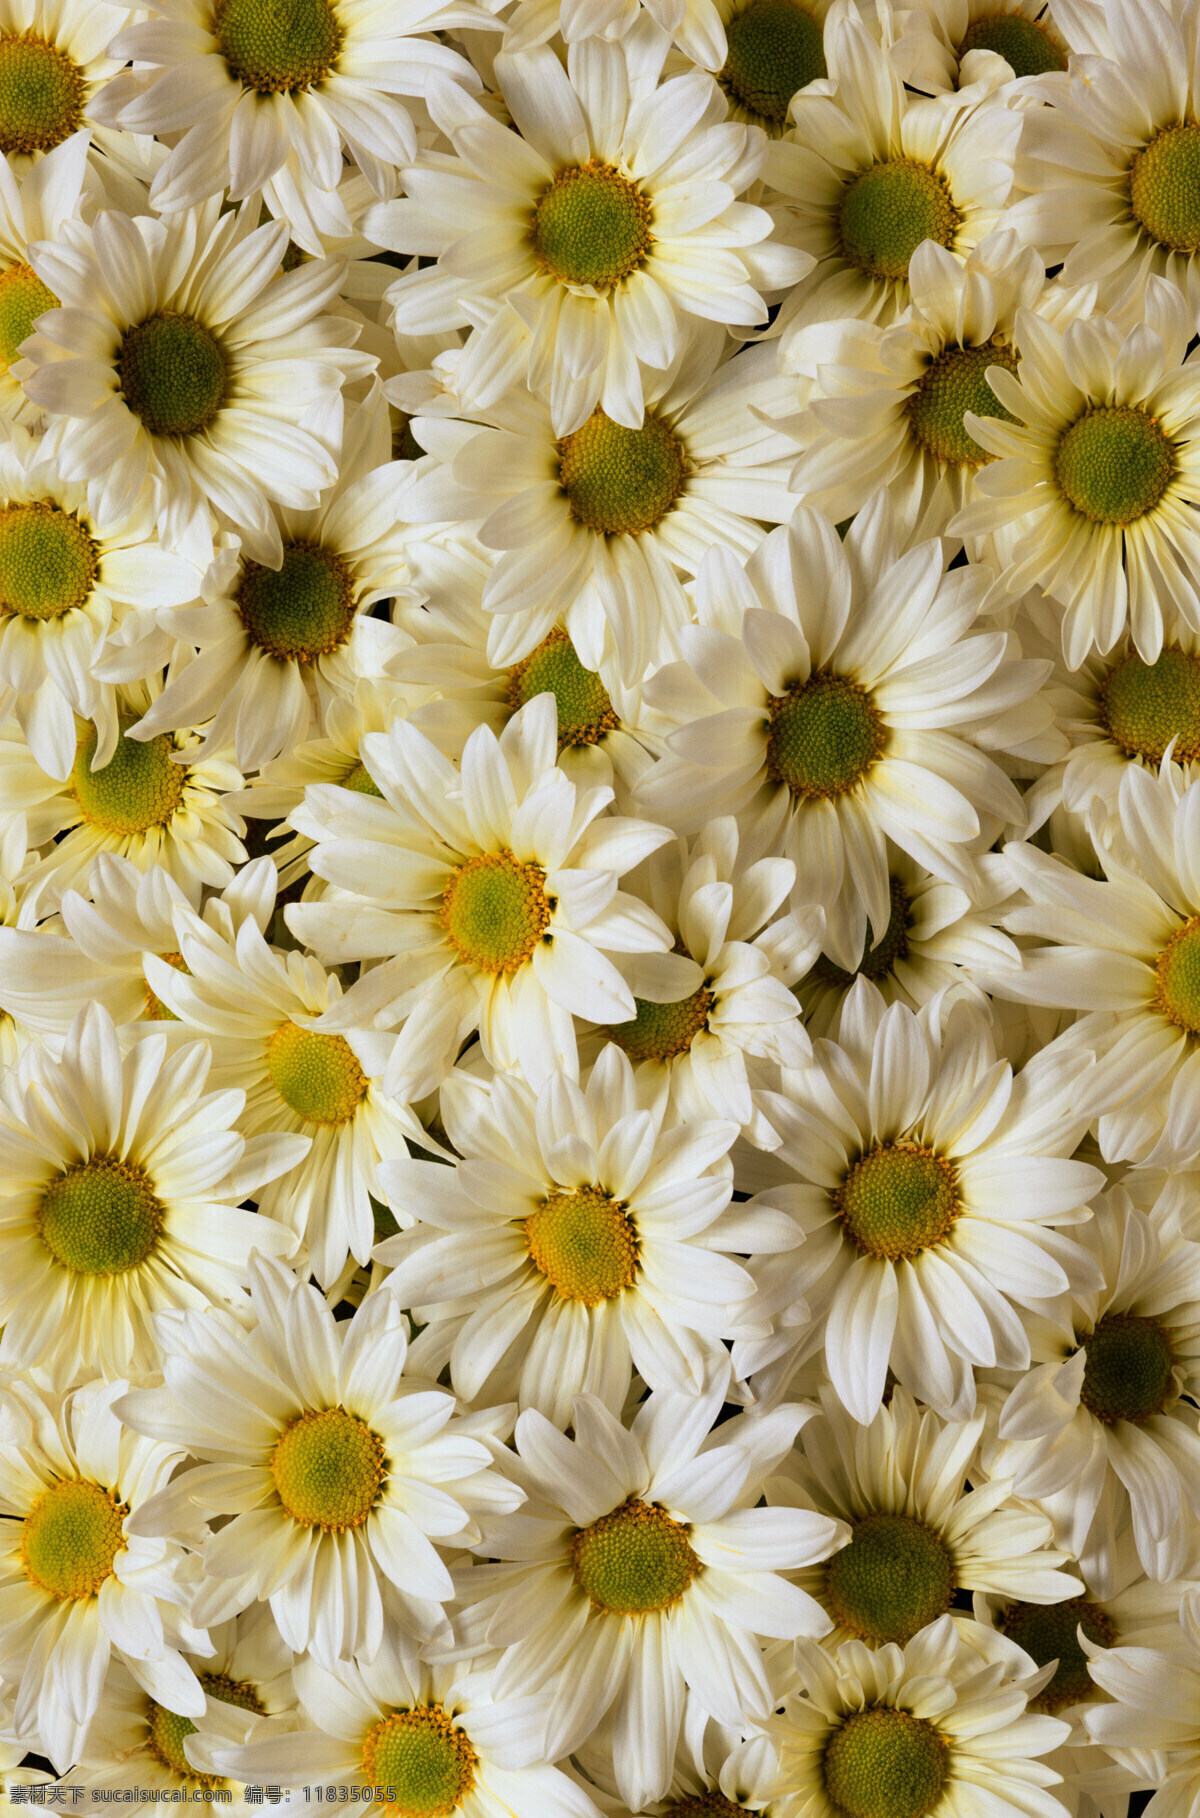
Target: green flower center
427 1765
100 1217
897 1200
137 789
23 298
585 712
70 1538
634 1561
888 210
823 736
41 94
328 1467
1113 464
495 911
621 481
317 1076
362 782
662 1032
876 962
885 1763
155 1010
775 48
895 1576
1047 1631
1025 44
1128 1373
591 226
710 1804
301 611
585 1245
278 47
172 373
1143 706
169 1731
1164 188
47 561
1177 978
952 384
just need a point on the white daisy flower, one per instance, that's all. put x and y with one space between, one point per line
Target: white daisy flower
918 1536
184 355
276 641
35 207
77 1587
590 224
639 1567
932 1730
121 1194
1152 1727
948 44
435 1739
929 1184
1105 1414
55 56
819 700
69 583
1093 497
255 1006
593 525
488 890
867 172
270 97
576 1240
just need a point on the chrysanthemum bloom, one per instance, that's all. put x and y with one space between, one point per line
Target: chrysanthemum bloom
438 1739
592 526
819 700
34 207
928 1183
640 1567
949 44
917 1535
258 90
1095 492
255 1006
340 1477
55 56
488 890
1154 1720
764 53
1127 951
1104 1422
577 1239
888 404
867 172
120 1199
934 1729
187 357
141 804
589 224
68 582
276 642
76 1586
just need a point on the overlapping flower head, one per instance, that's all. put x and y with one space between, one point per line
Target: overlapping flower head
600 906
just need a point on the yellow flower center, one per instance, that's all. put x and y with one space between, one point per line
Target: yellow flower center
70 1538
23 298
895 1576
278 47
897 1200
172 373
775 48
591 226
1026 44
137 789
662 1032
100 1217
1164 188
1114 463
169 1731
1128 1372
1144 706
952 384
709 1804
47 561
427 1765
585 1245
885 1763
1177 978
621 481
302 611
823 735
1047 1631
41 94
316 1076
636 1561
888 210
585 712
362 782
876 962
495 911
328 1467
155 1010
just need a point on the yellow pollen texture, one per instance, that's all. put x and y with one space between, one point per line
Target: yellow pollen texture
585 1244
328 1467
70 1538
636 1561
